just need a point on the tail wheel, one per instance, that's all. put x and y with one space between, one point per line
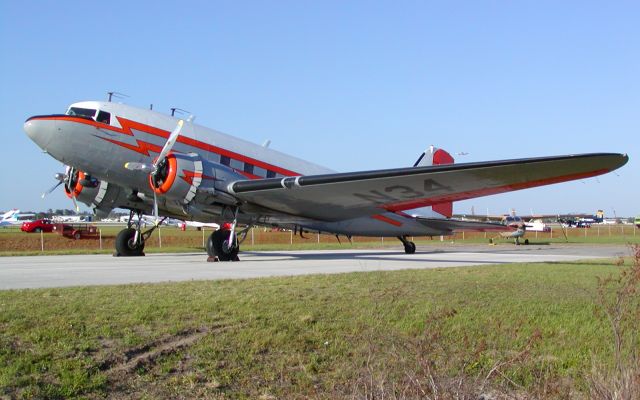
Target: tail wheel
217 246
126 245
410 248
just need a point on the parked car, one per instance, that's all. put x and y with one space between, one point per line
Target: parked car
39 225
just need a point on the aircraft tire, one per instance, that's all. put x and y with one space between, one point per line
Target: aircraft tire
410 248
125 246
211 252
218 238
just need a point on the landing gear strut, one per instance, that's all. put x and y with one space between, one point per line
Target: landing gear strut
409 247
130 241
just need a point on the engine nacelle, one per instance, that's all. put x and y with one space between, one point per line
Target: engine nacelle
85 188
99 195
178 177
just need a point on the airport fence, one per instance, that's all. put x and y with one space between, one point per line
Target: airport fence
12 240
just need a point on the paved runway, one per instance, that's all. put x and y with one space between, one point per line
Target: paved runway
59 271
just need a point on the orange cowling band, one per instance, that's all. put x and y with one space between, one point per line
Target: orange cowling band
171 176
77 188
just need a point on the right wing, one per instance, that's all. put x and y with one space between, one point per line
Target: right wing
334 197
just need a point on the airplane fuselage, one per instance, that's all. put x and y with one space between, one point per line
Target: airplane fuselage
98 138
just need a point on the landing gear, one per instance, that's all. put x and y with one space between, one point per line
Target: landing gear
130 241
223 246
127 245
409 247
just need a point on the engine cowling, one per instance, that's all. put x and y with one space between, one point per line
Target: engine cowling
178 177
86 189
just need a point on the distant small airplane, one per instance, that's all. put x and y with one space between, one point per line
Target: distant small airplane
199 225
521 224
72 218
156 164
15 217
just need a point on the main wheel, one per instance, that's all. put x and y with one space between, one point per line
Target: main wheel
211 252
410 248
218 242
125 245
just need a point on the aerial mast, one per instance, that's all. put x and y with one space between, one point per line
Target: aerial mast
117 95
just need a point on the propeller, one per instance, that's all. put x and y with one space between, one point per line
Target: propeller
69 179
153 169
60 178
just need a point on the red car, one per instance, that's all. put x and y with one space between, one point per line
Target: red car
39 225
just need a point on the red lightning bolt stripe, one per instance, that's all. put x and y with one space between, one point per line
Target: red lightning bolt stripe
142 147
188 176
127 129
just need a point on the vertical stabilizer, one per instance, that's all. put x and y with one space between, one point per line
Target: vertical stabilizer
435 156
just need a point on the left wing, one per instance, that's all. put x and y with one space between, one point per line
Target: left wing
334 197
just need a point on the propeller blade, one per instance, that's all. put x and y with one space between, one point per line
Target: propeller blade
136 166
170 142
155 207
52 189
75 203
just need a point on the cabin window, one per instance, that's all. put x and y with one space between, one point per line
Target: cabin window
81 112
248 168
104 117
224 160
271 174
261 172
236 164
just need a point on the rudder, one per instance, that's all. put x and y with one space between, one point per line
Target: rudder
435 156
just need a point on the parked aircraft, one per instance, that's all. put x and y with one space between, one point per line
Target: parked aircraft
521 224
198 225
155 164
15 217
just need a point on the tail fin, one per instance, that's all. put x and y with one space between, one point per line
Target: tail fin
435 156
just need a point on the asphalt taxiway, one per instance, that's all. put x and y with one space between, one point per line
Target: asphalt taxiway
80 270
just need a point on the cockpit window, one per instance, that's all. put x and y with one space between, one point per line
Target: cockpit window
81 112
104 117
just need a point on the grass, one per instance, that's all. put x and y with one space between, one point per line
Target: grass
528 328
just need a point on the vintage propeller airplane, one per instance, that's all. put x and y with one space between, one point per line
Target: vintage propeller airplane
154 164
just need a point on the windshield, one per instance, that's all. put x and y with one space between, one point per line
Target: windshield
81 112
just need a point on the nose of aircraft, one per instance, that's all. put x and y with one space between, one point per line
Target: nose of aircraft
38 131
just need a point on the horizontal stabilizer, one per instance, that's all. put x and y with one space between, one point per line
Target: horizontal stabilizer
458 225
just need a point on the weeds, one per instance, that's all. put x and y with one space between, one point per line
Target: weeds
619 304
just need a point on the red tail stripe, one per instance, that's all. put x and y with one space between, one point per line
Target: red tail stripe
388 220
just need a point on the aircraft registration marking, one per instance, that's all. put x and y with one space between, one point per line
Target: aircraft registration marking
402 192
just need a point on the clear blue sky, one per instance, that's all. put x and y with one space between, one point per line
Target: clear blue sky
350 85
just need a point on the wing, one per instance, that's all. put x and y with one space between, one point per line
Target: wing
334 197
